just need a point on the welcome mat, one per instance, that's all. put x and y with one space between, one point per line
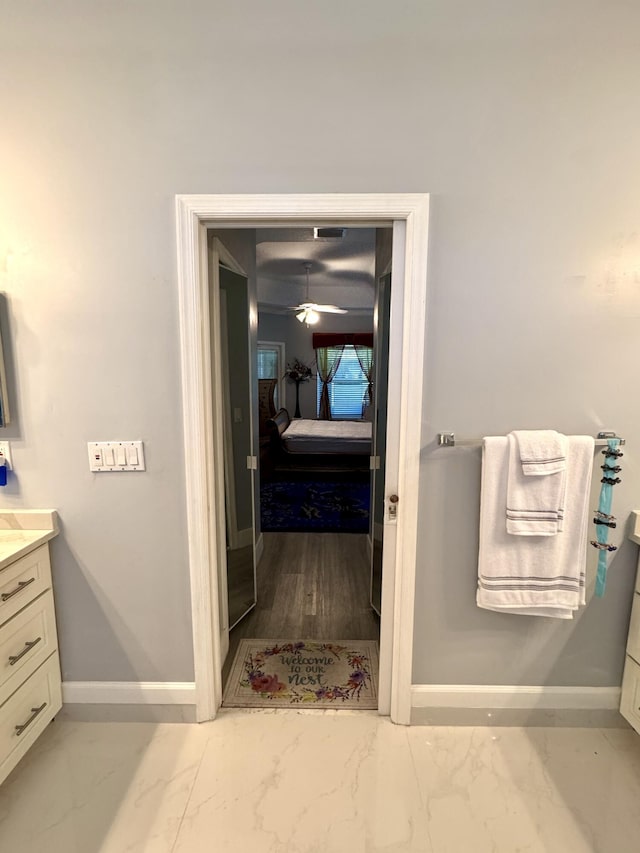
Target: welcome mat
324 507
309 673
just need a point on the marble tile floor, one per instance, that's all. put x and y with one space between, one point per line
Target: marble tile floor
322 782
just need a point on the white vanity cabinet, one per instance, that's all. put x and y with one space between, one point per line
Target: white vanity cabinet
630 700
30 688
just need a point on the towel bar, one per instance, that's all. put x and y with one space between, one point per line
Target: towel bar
448 439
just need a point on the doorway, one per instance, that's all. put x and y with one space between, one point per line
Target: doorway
204 458
313 505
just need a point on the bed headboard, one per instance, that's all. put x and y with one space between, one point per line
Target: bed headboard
280 421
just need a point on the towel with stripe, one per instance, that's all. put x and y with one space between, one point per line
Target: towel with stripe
537 482
533 575
541 451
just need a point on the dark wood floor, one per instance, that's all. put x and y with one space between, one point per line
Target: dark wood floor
311 586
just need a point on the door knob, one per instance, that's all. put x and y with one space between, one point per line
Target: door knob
392 509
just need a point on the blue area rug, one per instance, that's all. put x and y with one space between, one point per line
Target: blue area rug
323 507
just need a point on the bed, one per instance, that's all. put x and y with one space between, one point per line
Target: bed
307 443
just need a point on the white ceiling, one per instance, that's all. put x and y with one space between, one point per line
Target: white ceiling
342 271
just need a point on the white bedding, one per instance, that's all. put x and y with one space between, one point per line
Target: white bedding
307 436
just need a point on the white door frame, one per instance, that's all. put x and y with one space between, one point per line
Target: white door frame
223 485
220 255
409 214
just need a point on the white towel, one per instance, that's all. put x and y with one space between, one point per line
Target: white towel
542 451
542 576
535 504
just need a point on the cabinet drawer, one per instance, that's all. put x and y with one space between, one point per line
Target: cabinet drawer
26 641
633 641
27 713
24 580
630 701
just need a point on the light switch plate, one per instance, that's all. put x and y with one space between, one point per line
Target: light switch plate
116 456
5 453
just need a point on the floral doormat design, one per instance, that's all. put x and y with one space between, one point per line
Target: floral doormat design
304 673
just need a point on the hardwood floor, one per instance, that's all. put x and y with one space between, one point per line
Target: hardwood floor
311 586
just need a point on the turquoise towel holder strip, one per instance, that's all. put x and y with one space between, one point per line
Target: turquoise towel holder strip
604 511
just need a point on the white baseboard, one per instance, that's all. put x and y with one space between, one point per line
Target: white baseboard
129 692
422 695
514 697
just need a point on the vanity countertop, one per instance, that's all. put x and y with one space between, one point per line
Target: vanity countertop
635 527
22 531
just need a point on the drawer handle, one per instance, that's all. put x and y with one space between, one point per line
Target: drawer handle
34 714
27 648
21 585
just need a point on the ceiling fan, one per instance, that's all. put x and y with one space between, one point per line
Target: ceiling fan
309 312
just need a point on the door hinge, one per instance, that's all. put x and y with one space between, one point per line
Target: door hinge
252 463
374 463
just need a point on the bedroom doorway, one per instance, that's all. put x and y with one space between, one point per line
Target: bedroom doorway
204 453
315 498
307 570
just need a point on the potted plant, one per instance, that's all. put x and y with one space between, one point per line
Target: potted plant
297 371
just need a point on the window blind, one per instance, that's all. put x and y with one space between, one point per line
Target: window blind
347 391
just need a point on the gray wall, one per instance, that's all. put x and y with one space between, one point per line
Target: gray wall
522 120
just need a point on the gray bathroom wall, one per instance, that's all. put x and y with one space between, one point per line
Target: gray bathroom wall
522 121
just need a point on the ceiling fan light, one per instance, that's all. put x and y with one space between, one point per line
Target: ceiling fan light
309 312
